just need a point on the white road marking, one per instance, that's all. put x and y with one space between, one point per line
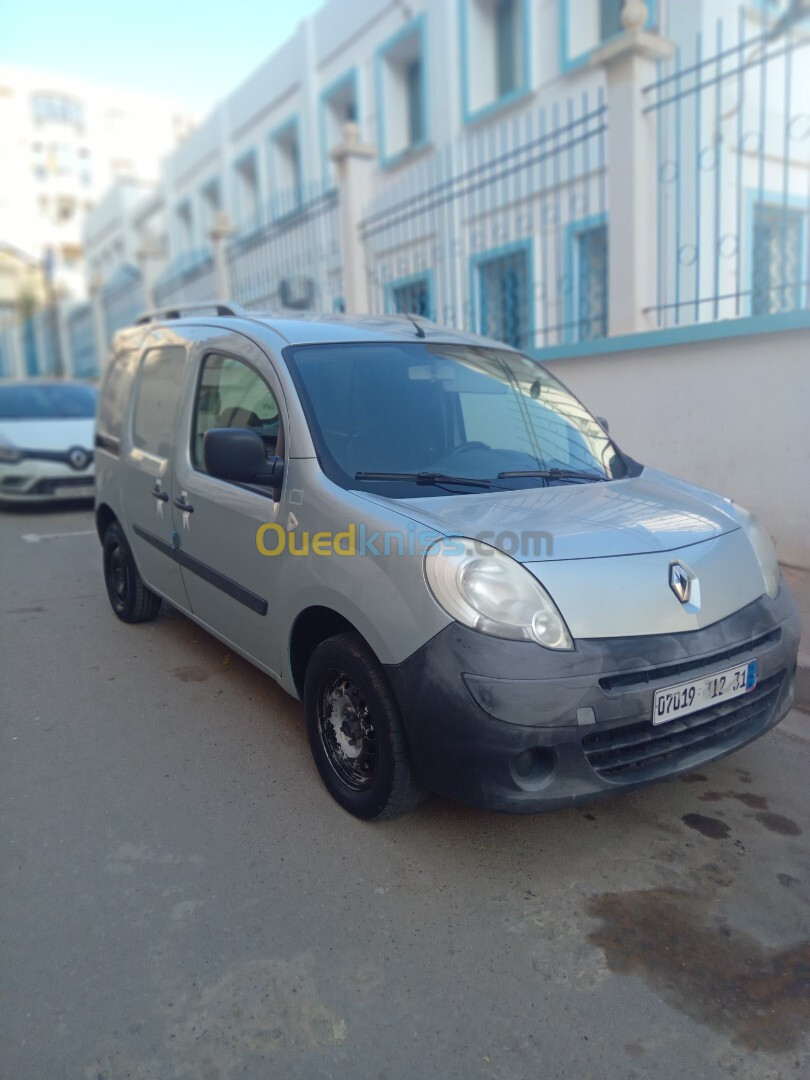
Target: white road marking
34 538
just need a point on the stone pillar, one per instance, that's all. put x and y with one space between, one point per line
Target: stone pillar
630 64
219 236
354 165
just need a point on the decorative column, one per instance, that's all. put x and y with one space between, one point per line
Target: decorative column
354 164
630 64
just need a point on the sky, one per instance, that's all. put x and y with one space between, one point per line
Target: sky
184 49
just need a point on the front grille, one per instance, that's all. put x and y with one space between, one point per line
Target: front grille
643 751
668 673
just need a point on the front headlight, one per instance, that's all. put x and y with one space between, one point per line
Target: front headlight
486 590
9 455
763 549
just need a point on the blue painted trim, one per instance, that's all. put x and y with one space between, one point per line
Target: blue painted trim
571 63
185 203
572 231
208 185
471 116
291 123
417 25
427 276
491 255
350 76
772 200
236 165
748 326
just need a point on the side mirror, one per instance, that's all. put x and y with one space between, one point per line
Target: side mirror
238 454
601 420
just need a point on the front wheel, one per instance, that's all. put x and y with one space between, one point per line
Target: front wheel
355 733
130 598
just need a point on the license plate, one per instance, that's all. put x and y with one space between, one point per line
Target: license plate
690 697
83 492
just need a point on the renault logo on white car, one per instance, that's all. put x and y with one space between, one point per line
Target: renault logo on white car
78 458
680 581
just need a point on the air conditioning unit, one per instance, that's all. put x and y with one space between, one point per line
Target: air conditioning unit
297 293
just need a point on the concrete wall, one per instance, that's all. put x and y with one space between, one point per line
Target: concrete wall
731 414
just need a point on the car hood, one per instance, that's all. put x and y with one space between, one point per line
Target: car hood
644 514
48 434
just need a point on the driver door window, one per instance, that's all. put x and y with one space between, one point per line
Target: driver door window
232 394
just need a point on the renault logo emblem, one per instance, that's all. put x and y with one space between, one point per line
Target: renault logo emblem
78 458
680 581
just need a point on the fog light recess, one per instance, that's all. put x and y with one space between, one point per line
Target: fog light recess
533 769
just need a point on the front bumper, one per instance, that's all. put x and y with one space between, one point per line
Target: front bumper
511 726
32 480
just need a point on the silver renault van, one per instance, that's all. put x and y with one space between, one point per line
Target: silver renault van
435 545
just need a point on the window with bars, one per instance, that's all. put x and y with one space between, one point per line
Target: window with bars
504 298
592 283
776 262
412 297
285 165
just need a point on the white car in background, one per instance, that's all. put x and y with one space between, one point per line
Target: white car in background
46 441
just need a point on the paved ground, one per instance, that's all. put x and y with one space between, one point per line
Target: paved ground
181 899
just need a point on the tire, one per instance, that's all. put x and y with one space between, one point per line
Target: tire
364 763
130 599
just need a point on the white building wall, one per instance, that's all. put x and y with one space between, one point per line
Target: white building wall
343 40
733 430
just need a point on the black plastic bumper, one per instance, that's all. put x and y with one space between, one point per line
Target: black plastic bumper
511 726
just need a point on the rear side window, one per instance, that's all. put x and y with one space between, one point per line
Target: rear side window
114 398
232 394
158 394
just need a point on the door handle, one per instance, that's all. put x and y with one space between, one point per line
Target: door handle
181 504
162 495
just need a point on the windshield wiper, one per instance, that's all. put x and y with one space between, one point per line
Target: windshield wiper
552 474
424 478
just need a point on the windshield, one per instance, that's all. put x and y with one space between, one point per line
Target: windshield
447 411
47 402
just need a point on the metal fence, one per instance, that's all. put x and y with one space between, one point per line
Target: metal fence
81 338
191 279
733 161
503 231
122 300
293 262
8 345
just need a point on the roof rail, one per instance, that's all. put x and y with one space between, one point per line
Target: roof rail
178 311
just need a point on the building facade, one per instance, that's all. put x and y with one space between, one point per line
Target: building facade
548 172
66 142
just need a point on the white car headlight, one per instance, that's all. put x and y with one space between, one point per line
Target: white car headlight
9 454
763 549
488 591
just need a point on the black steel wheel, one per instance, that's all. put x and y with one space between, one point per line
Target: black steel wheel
130 598
355 732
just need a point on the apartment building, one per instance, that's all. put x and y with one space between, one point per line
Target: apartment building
66 142
549 172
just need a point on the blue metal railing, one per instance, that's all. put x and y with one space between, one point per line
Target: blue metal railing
496 220
733 157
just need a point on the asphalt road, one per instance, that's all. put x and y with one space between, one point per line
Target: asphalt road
181 898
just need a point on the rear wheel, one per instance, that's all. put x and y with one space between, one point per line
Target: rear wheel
355 732
130 598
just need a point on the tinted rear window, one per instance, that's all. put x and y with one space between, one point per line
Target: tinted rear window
47 402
